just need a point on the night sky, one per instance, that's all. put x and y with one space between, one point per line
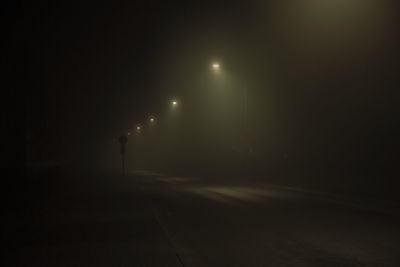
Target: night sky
322 78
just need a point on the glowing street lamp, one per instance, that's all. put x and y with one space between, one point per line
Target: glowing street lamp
216 66
174 103
152 121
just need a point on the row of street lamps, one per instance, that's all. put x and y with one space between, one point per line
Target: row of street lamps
216 67
138 128
174 103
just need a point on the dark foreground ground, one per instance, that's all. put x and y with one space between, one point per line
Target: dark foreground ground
149 219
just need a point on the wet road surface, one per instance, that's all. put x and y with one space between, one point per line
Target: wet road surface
149 219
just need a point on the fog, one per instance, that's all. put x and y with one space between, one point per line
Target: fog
196 133
306 91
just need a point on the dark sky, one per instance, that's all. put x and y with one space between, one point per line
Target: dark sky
322 78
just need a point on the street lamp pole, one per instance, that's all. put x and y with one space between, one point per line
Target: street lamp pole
217 68
245 107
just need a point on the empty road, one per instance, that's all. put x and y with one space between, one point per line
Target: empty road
149 219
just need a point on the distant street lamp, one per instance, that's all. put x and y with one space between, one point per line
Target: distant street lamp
174 103
152 120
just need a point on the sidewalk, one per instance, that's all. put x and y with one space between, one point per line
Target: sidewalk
89 226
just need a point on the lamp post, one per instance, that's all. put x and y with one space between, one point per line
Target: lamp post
216 67
122 141
138 129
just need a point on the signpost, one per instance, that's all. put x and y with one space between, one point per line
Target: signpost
122 141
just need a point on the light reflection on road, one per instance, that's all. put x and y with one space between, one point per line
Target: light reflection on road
231 194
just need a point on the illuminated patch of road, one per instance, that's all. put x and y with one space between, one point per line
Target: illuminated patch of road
154 177
145 173
229 194
173 180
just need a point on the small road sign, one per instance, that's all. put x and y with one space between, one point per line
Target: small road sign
122 141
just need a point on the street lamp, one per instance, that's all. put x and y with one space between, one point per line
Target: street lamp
216 66
174 103
151 121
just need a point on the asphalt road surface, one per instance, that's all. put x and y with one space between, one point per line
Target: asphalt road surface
149 219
